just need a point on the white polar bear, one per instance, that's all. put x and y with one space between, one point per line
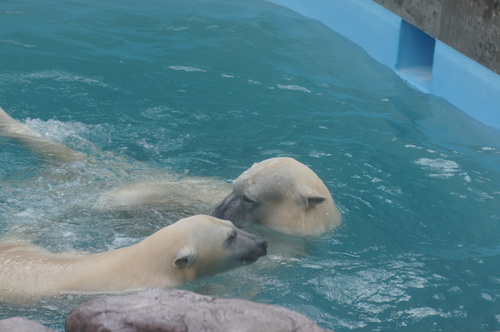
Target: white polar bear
182 252
281 193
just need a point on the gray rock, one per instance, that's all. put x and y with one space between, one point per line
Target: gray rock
183 311
20 324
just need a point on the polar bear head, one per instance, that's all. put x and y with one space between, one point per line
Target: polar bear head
203 245
283 194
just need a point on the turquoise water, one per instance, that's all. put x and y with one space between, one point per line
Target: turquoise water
206 88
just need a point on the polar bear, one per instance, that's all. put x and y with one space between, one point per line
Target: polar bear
190 248
281 193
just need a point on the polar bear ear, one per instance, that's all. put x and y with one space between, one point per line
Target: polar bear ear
312 198
184 258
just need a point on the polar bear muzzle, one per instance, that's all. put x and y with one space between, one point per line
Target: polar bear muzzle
252 246
235 208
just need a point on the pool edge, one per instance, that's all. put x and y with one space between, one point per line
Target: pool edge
384 35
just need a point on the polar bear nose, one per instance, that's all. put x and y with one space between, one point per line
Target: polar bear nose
262 246
259 250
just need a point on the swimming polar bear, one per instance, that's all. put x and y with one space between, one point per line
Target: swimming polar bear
182 252
281 193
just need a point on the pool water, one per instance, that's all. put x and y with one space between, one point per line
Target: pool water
206 88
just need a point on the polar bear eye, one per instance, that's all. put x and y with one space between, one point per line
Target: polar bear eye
231 237
248 200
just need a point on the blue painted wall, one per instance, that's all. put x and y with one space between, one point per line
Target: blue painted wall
424 62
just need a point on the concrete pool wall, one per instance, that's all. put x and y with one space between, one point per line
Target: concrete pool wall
423 60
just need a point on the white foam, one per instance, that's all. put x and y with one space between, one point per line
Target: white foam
121 241
57 130
55 75
318 154
12 42
183 28
423 312
64 76
413 146
186 68
442 168
29 212
293 87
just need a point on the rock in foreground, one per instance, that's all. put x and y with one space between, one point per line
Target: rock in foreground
183 311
